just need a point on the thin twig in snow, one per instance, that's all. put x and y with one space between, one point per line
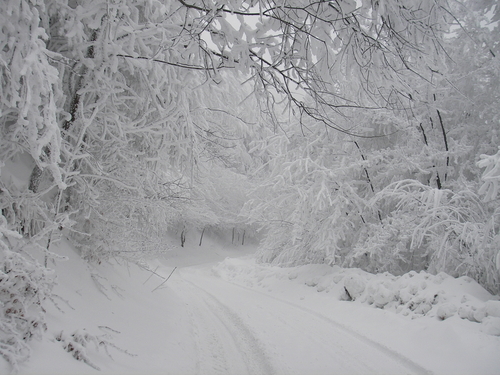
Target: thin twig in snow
165 280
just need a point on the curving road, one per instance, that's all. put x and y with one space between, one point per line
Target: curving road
241 331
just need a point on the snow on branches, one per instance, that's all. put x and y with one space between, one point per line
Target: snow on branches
491 175
80 342
24 286
31 96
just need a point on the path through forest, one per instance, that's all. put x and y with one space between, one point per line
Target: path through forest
222 313
242 331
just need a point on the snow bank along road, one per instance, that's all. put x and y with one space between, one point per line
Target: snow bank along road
242 331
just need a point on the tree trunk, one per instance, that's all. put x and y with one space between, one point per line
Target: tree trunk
445 138
183 237
201 237
438 179
368 179
35 178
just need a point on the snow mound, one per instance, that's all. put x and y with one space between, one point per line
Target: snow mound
413 295
354 286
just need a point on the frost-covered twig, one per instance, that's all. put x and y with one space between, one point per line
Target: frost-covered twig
78 342
164 280
491 175
100 286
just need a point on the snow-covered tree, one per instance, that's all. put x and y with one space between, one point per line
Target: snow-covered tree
407 182
125 115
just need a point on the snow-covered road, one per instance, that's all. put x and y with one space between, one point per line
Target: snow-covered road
222 313
242 331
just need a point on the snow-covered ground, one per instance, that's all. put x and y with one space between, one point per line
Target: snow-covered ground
221 313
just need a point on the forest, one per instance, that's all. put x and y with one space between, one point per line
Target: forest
355 133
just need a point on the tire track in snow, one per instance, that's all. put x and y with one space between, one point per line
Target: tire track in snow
348 350
225 345
413 366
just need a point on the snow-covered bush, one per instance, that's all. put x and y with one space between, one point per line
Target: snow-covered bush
24 211
354 286
24 286
491 175
80 342
430 229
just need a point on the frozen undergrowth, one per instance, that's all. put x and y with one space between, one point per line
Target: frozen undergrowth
24 287
414 295
79 342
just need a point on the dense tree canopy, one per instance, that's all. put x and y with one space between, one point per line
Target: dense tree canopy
402 189
123 120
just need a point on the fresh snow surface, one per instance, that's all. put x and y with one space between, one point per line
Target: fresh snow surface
222 313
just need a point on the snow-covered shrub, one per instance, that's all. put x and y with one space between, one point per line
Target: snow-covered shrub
122 226
354 286
446 310
24 286
491 175
380 293
78 342
432 229
489 191
25 212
